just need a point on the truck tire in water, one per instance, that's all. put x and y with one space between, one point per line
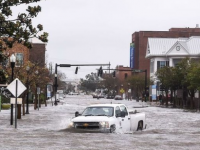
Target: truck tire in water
140 125
112 128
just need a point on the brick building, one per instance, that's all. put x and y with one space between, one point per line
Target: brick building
139 44
123 75
36 54
21 53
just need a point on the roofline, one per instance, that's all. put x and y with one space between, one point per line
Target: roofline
193 55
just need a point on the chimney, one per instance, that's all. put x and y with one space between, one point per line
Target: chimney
197 25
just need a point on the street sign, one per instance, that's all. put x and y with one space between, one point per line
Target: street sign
135 70
38 90
20 88
12 100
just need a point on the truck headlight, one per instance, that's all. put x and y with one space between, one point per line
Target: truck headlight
71 124
104 124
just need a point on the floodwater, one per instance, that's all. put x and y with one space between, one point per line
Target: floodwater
47 129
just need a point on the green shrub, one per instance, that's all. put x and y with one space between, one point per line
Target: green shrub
5 106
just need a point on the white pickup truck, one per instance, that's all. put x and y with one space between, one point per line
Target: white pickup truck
109 118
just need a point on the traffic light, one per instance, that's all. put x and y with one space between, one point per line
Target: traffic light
100 72
113 74
76 71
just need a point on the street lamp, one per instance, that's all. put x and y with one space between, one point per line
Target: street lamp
55 103
129 92
27 103
35 105
12 64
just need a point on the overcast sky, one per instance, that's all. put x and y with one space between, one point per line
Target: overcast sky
99 31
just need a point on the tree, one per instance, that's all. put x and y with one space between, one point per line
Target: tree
18 30
164 75
183 68
33 77
91 83
110 83
137 83
194 80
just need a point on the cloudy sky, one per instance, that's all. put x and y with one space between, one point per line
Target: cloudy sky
99 31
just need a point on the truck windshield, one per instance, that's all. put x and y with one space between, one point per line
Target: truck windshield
98 111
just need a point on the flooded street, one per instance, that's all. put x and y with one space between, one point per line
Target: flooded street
167 129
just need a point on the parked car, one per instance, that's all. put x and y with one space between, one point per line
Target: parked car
109 118
73 93
118 97
97 96
109 96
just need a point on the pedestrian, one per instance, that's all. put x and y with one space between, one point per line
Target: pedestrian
160 99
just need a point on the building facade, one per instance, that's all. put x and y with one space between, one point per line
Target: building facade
123 75
170 51
139 42
36 54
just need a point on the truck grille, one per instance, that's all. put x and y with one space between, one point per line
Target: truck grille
87 125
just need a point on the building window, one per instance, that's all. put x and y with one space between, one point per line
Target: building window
176 61
151 66
125 76
161 64
19 59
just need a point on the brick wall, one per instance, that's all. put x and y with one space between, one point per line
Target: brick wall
37 54
19 48
121 74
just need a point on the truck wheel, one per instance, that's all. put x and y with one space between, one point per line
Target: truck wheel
112 128
140 125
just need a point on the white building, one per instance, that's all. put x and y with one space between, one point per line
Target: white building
169 51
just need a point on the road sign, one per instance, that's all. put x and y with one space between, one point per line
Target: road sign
38 90
135 70
20 87
122 90
12 100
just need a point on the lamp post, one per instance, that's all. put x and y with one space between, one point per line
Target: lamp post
55 86
129 92
12 64
27 103
35 105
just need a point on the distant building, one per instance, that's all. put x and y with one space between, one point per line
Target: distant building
123 75
37 52
139 41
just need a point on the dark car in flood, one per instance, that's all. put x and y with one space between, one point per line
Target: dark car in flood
108 96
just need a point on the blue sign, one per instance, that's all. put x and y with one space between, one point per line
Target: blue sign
153 87
132 49
48 94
